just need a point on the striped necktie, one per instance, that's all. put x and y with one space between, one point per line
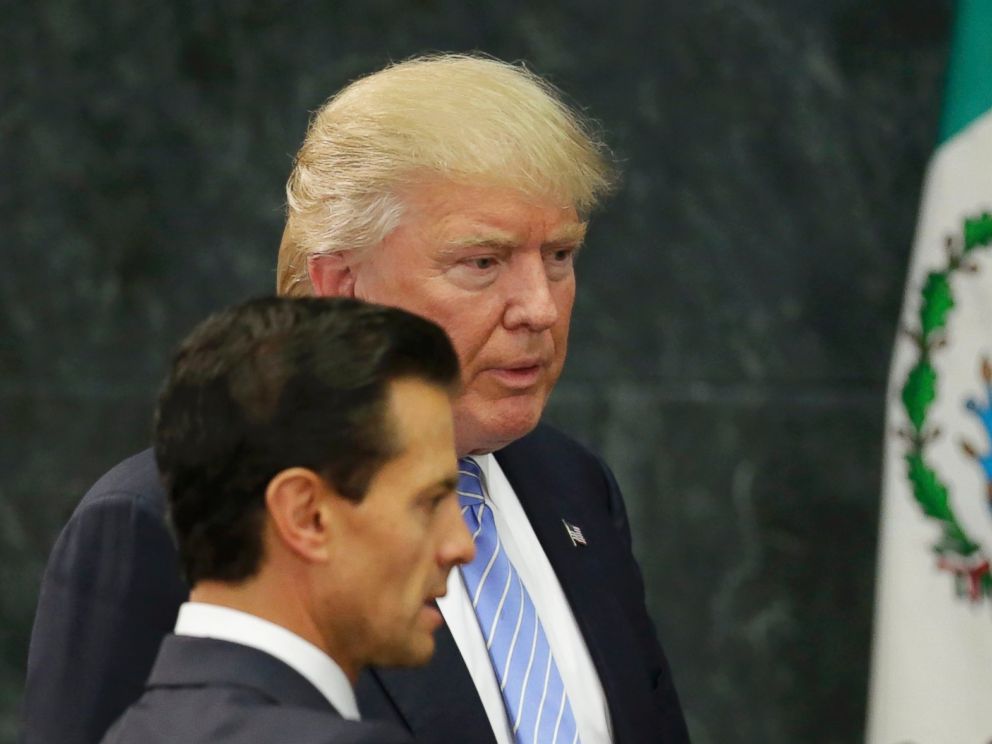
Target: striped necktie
529 680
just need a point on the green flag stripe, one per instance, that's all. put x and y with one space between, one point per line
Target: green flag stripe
968 93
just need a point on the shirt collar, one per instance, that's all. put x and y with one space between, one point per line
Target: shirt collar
488 467
226 624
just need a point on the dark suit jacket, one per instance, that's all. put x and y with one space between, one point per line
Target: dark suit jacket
112 590
204 691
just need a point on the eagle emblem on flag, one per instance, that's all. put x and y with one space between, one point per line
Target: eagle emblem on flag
958 551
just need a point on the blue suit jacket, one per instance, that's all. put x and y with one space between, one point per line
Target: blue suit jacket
205 691
112 590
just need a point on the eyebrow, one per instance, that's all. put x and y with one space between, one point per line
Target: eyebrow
574 234
446 485
570 235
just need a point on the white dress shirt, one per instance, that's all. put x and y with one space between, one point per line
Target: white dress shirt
225 624
585 692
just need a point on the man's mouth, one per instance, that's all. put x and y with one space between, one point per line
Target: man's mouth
436 594
522 374
432 611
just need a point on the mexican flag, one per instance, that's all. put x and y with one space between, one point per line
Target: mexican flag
931 677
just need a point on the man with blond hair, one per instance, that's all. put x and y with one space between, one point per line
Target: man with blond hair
459 188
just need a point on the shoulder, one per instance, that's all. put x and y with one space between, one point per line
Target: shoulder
125 508
547 438
551 456
548 461
134 479
118 530
548 444
229 714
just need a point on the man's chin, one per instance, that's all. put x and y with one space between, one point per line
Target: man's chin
415 653
493 432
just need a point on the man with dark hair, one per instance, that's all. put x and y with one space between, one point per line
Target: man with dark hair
307 450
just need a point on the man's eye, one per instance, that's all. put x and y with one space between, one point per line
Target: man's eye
562 255
485 262
435 502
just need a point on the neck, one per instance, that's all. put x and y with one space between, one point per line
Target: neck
278 602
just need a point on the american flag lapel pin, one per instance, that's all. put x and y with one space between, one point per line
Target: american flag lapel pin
574 534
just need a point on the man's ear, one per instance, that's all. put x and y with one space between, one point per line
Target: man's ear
331 274
298 504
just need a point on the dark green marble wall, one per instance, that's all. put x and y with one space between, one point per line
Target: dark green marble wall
737 300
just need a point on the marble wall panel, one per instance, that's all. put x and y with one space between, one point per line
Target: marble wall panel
737 304
755 525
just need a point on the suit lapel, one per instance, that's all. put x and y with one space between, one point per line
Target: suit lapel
551 495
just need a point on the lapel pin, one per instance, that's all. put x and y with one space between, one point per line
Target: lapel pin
574 534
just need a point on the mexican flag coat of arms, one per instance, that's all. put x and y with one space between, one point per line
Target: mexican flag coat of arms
932 653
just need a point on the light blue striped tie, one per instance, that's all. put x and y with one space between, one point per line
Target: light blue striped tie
528 676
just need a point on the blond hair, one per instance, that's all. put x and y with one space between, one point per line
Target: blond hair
466 118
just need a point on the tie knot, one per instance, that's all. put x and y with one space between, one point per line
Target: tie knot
469 482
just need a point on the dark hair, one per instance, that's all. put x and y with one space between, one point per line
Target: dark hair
276 383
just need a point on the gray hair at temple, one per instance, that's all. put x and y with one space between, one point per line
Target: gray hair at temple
463 118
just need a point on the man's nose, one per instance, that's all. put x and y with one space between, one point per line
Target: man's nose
530 302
